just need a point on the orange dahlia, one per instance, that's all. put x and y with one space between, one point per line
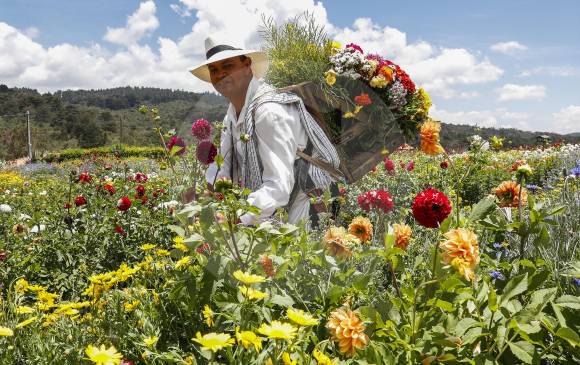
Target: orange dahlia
362 228
339 242
430 137
347 330
508 193
402 235
461 251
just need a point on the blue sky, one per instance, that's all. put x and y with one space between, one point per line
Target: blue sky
491 63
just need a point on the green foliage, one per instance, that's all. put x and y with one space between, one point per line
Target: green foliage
119 151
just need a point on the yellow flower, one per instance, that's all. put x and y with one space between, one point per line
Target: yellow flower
131 306
182 262
362 228
300 318
357 109
22 309
249 338
321 358
278 330
5 331
330 77
252 293
336 45
347 330
102 355
348 115
461 250
287 360
208 315
247 278
213 341
162 252
178 244
150 341
26 322
21 286
430 137
148 246
402 235
379 82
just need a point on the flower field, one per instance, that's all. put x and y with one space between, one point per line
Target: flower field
462 258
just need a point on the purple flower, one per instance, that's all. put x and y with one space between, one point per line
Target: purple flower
576 281
575 171
497 275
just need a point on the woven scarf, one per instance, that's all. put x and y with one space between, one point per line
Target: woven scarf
322 148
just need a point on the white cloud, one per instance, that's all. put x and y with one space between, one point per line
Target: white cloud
509 48
32 32
498 118
552 71
521 92
181 11
567 120
141 23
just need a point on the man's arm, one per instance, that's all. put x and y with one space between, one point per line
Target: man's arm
277 128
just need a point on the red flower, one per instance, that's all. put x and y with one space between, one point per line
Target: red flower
110 188
342 191
218 196
67 205
405 80
85 178
355 47
201 129
411 166
444 164
80 200
176 141
376 199
141 177
124 203
120 230
363 99
3 255
430 208
203 248
389 165
206 152
140 189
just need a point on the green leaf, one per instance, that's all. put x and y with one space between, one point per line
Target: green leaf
482 209
492 299
466 323
517 285
283 301
568 301
445 305
522 350
559 315
569 335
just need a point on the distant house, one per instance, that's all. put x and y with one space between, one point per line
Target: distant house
543 139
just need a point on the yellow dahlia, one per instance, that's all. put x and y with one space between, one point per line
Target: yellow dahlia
402 235
339 242
102 355
362 228
430 137
461 250
508 194
347 330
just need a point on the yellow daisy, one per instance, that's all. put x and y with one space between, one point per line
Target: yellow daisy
252 293
278 330
249 338
102 355
300 318
213 341
248 278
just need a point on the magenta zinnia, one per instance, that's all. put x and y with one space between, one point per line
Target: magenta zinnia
430 208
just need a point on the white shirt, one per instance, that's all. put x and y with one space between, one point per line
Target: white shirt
280 134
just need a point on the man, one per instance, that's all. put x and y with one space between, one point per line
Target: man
264 131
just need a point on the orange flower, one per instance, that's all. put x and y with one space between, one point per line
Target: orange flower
402 235
362 228
387 73
267 265
430 138
363 99
347 329
461 250
339 242
508 192
517 164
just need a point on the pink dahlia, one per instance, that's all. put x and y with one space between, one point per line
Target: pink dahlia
201 129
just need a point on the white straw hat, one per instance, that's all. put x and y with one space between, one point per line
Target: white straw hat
218 48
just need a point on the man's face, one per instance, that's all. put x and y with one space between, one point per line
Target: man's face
231 76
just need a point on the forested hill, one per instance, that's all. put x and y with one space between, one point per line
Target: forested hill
90 118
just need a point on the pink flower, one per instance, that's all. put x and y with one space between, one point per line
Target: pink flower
124 203
355 47
389 165
411 166
376 199
141 177
201 129
206 152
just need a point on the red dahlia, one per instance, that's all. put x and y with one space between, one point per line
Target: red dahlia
201 129
141 177
389 165
430 208
124 203
444 164
206 152
376 199
140 189
120 230
80 200
110 188
85 177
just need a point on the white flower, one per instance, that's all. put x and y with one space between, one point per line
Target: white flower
38 228
5 208
43 192
169 204
24 217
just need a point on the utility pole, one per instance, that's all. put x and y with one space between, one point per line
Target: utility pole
29 135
